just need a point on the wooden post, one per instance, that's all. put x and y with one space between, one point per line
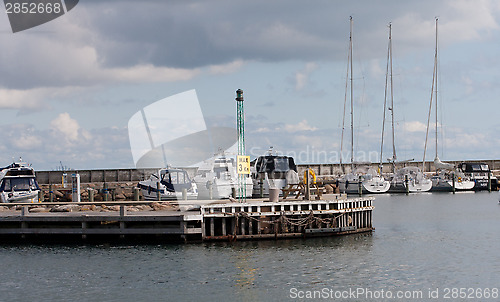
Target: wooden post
136 194
307 189
51 193
105 191
212 227
360 186
91 194
453 182
489 181
407 188
84 226
40 196
158 193
184 194
224 232
123 210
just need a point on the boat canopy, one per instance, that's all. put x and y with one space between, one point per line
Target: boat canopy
475 167
175 180
274 163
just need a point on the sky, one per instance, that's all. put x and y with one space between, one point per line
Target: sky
69 87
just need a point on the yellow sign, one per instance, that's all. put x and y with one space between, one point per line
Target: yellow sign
243 163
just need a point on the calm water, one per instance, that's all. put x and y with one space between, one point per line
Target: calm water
422 243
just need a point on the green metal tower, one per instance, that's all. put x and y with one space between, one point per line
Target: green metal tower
240 120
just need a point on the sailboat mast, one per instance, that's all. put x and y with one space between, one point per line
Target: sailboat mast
436 85
385 103
388 81
352 103
343 115
392 101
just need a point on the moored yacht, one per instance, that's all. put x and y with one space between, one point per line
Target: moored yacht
218 178
273 171
364 178
411 180
479 173
170 184
18 183
449 178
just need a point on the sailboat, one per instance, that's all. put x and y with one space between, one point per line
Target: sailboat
406 179
448 178
362 178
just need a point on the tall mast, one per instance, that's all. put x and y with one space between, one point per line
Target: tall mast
388 81
392 101
352 103
343 115
434 85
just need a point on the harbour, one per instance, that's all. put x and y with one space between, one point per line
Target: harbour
448 241
117 208
256 151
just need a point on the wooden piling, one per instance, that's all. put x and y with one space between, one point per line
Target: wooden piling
158 192
136 193
91 194
489 181
407 187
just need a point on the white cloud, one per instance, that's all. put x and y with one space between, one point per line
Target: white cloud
302 76
226 68
415 126
301 126
66 126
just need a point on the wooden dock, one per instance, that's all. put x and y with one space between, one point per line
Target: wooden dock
209 220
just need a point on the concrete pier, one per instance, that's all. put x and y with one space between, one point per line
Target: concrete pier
220 220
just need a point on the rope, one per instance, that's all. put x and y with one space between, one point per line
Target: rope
292 221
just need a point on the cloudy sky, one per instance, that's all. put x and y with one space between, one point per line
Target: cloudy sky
69 87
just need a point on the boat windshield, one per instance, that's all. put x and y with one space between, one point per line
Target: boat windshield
19 184
176 177
281 164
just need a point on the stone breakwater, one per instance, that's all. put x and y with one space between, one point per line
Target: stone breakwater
117 191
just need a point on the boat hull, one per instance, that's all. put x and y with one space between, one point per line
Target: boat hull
223 190
448 186
31 196
376 185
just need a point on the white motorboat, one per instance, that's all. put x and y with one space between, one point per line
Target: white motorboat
170 184
480 173
273 171
217 178
18 183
